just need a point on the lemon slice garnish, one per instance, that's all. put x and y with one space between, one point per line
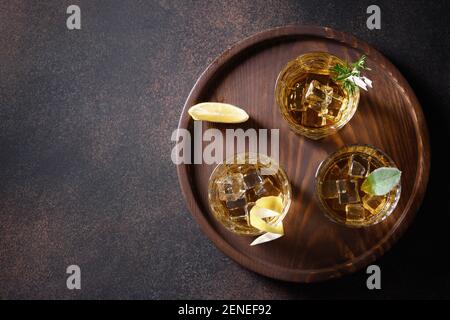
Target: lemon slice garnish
218 112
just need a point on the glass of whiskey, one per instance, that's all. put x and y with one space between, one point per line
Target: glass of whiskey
313 104
338 186
235 185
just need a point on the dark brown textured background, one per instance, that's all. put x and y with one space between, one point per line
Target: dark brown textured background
85 124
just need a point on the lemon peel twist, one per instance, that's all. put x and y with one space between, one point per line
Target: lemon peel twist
267 207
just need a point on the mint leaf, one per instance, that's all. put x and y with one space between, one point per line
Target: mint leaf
381 181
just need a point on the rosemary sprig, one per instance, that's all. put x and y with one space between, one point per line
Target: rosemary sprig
350 75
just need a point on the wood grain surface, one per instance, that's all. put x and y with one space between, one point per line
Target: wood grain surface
389 117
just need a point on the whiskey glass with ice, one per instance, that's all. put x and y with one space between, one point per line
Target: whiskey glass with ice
235 185
338 186
313 104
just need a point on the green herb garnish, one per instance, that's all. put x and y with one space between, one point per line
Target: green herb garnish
350 75
381 181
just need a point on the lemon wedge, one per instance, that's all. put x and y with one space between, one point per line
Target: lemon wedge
218 112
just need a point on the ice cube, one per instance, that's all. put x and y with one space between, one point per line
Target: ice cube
334 173
249 207
237 208
355 168
241 214
231 187
348 191
311 118
267 188
334 110
238 203
294 99
252 178
344 164
319 109
318 96
337 98
250 195
329 189
373 203
238 213
364 161
354 212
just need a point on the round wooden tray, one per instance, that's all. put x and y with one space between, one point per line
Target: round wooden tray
388 117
